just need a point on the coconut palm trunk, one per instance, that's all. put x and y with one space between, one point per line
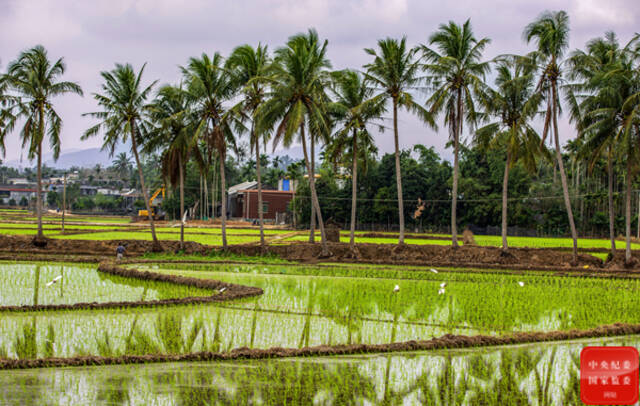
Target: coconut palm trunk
611 214
314 196
398 173
505 188
181 174
223 201
145 195
206 195
258 175
40 236
563 175
214 185
456 169
627 210
354 191
312 175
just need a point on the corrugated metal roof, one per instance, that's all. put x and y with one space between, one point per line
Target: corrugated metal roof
242 186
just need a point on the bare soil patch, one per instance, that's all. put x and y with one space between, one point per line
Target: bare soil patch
434 255
430 255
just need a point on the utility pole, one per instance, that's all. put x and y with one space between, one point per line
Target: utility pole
64 199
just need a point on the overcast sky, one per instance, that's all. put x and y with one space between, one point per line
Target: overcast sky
93 35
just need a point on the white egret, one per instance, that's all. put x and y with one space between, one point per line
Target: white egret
56 279
443 284
433 270
441 291
396 289
222 289
520 283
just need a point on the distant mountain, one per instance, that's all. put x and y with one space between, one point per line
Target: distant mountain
88 158
84 158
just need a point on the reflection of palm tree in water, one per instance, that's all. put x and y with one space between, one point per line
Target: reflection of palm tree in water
114 391
25 343
278 383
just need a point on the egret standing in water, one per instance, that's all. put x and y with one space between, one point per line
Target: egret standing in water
56 279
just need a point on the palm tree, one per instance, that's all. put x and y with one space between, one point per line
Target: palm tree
251 69
122 165
297 100
354 110
33 81
514 104
596 103
609 113
123 116
394 74
456 75
209 85
629 139
550 31
7 107
173 133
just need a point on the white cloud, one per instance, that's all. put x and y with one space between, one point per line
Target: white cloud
610 12
29 20
389 11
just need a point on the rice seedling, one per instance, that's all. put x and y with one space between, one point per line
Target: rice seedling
474 376
24 284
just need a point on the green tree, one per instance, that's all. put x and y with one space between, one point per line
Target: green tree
123 116
353 109
297 99
33 80
122 166
251 69
173 135
8 104
209 86
456 76
52 198
394 73
550 32
603 74
514 104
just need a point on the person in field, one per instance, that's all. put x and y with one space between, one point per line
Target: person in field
120 252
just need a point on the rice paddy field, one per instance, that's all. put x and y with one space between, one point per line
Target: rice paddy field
543 374
302 306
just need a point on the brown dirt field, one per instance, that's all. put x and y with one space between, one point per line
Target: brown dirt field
421 255
444 342
435 255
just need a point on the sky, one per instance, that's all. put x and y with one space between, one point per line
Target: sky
93 35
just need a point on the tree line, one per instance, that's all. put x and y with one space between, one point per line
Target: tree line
292 96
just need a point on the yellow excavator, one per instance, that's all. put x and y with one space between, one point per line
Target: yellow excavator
144 214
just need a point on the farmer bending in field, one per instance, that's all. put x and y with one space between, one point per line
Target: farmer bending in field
120 252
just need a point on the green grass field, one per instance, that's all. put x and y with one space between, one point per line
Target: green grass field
121 228
146 236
